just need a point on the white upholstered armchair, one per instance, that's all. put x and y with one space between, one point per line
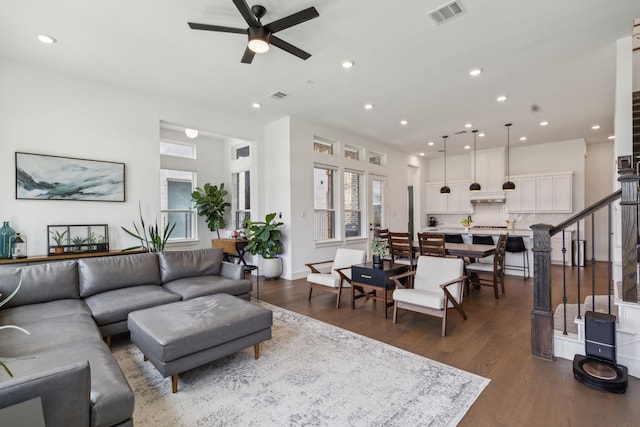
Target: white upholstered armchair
438 285
340 275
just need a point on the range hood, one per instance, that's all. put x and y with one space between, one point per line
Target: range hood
488 198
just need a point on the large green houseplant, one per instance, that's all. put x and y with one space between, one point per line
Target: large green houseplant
265 240
210 203
155 240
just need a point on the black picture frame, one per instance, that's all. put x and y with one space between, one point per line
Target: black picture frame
46 177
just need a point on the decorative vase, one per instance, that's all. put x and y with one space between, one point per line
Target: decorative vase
378 262
271 268
5 234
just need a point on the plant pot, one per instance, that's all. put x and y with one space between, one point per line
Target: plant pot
271 268
378 262
59 250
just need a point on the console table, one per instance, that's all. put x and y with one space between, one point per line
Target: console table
66 256
235 248
375 279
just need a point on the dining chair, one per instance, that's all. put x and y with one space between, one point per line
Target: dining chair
432 244
490 274
438 284
402 250
340 274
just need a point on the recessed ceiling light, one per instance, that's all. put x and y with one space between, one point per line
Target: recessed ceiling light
468 125
422 154
475 72
523 138
348 64
501 98
44 38
481 134
544 123
368 106
611 137
466 147
403 122
256 105
430 143
595 127
191 133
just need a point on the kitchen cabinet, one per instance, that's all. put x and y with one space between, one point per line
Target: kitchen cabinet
456 202
490 169
554 193
523 198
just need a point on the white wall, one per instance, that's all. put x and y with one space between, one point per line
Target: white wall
600 168
44 112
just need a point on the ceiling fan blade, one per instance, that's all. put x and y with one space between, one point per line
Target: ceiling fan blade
291 20
278 42
248 56
207 27
246 13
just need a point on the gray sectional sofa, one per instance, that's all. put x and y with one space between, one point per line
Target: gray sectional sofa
70 309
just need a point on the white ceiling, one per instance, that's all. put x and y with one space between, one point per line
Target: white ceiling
559 55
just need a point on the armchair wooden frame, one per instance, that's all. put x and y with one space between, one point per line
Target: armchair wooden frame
448 297
338 290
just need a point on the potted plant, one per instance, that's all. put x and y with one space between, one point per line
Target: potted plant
265 240
378 250
466 223
58 237
155 241
78 242
210 203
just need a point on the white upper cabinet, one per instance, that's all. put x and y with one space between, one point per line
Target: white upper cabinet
458 201
549 193
490 169
523 198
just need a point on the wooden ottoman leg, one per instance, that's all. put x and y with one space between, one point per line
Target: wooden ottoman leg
256 350
174 383
144 357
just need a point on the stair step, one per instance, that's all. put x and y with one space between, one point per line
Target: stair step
572 312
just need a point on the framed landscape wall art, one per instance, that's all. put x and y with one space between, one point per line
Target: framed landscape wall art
43 177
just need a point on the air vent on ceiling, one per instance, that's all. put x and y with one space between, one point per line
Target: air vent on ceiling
447 12
278 95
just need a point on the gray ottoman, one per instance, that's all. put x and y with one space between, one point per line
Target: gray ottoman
183 335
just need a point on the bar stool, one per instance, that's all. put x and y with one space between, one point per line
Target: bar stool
453 238
482 240
515 244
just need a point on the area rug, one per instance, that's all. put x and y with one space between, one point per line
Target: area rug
309 374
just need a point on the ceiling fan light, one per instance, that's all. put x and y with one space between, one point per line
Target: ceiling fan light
475 187
258 40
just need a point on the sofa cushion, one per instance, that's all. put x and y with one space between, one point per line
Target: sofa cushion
44 311
40 283
111 397
180 264
47 334
115 306
103 274
193 287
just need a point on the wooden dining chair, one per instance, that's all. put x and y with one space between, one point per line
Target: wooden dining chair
432 244
486 274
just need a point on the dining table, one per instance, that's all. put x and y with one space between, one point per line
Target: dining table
469 250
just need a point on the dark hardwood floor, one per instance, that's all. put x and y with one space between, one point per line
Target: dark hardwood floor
493 342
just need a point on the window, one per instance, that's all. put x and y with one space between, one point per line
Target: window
241 152
323 145
175 149
351 152
377 158
353 203
176 206
377 202
324 203
241 198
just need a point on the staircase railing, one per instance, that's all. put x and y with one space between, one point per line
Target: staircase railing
542 315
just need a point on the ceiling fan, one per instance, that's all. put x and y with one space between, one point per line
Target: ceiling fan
261 36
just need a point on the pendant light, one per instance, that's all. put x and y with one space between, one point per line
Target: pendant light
508 185
475 187
444 189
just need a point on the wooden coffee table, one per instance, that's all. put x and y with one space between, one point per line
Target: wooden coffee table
373 280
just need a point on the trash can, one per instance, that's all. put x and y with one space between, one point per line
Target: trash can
577 252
